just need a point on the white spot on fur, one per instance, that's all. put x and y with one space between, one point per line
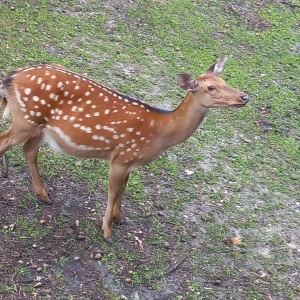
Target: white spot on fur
27 91
108 128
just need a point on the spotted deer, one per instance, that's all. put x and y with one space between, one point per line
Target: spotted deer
86 119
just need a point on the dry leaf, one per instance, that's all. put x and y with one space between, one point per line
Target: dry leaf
237 240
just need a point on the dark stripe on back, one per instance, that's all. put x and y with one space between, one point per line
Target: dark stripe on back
130 99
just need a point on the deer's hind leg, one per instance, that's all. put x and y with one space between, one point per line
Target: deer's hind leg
118 177
31 150
9 139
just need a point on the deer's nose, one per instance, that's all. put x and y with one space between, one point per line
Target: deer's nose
245 99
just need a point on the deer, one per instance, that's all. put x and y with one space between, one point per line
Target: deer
86 119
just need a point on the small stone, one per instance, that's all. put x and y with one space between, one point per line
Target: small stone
34 246
76 258
98 256
217 282
20 262
93 210
128 280
33 266
160 213
167 245
81 237
38 284
43 222
123 297
45 266
5 227
39 269
12 226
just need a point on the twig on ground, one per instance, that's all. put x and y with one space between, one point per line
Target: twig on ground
172 269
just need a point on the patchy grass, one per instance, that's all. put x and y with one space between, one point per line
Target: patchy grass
238 175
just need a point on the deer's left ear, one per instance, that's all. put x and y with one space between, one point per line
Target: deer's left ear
217 68
186 82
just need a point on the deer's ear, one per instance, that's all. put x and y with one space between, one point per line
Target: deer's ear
217 68
186 81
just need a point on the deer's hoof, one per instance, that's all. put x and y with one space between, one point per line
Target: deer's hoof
47 201
4 174
122 222
119 221
110 240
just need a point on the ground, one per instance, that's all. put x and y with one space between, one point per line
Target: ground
216 217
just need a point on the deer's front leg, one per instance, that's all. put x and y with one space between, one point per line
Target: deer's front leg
117 216
4 172
118 177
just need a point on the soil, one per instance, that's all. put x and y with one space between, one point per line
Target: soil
67 262
84 276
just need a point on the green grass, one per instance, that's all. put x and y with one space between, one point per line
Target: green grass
245 162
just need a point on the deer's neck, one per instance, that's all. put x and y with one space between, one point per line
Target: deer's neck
180 124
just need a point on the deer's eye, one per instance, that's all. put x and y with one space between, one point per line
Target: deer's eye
211 88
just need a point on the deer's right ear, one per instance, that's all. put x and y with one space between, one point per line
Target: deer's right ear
186 81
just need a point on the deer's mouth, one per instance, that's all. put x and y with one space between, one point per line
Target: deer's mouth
244 100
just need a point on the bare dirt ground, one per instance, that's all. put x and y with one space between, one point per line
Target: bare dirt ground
56 252
69 251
